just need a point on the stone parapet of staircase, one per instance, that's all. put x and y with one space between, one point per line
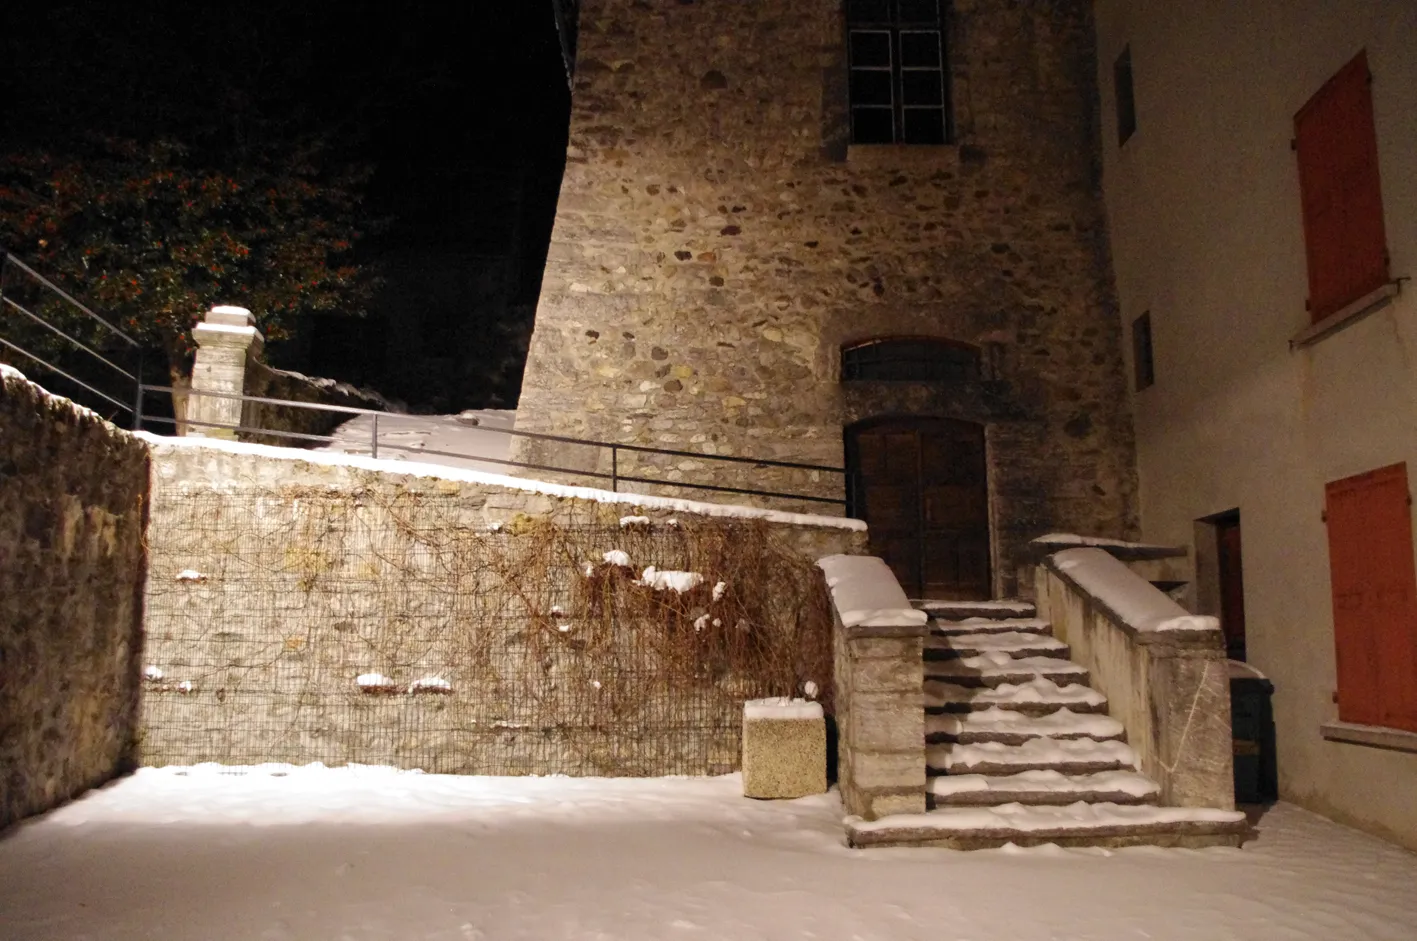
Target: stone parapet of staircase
1021 748
880 718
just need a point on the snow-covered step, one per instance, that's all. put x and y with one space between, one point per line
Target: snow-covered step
1042 786
1011 727
996 668
956 610
1014 643
1036 697
991 626
1078 824
1068 755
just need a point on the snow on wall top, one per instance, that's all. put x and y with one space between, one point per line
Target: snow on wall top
866 593
781 708
10 372
1073 539
1132 598
415 469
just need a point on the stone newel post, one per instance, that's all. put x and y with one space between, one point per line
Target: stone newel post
226 340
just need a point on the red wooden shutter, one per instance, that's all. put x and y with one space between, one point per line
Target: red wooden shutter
1374 598
1340 191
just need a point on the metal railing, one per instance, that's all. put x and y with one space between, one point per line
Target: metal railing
121 396
30 305
614 475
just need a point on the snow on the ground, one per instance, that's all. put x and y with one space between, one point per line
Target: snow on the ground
476 439
365 853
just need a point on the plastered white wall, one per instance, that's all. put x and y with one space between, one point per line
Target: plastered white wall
1204 215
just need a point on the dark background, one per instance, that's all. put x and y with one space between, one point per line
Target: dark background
461 109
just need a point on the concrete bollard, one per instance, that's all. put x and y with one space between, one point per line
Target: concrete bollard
784 748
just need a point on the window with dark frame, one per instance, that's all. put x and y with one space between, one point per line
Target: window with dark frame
1142 365
910 359
1340 193
1126 96
899 84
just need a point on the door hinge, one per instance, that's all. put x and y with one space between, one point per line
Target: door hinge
1323 516
1294 144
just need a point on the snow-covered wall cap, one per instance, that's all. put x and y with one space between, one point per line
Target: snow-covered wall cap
231 316
866 593
10 372
443 472
781 707
1139 603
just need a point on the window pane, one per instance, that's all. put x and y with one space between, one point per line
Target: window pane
920 49
922 88
919 11
924 126
871 48
870 88
872 126
868 11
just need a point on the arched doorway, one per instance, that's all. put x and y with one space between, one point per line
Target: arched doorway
921 486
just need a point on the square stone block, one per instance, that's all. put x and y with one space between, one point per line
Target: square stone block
784 757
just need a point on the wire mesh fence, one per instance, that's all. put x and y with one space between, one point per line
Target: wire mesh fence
395 627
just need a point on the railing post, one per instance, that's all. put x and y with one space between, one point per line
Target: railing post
374 439
226 340
138 394
614 469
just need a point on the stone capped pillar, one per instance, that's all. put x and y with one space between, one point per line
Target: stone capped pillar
226 341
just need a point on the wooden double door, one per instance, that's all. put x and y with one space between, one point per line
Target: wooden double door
922 487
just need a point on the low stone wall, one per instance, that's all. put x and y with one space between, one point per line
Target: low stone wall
494 625
1169 688
73 502
264 382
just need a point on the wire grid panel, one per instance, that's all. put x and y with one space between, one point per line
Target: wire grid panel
303 625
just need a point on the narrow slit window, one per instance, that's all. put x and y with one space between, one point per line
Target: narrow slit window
1126 96
1143 366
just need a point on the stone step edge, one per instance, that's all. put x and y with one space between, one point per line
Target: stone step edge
991 768
992 680
1005 607
948 628
1011 737
1004 789
931 829
1027 708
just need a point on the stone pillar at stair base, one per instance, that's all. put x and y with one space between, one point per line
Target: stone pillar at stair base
880 719
226 341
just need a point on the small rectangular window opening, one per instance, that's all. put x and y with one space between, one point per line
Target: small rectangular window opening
1126 97
1141 352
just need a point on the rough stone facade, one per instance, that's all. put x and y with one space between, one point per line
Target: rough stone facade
275 582
718 240
73 503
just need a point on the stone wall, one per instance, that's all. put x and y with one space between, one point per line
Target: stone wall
279 578
265 382
73 502
717 242
1169 689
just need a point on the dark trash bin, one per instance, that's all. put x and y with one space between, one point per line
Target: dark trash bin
1252 728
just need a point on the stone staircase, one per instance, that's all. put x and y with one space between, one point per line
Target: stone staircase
1021 750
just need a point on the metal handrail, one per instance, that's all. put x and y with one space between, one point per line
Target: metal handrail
614 475
536 435
140 417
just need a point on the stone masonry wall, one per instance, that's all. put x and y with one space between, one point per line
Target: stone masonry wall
717 241
73 501
276 581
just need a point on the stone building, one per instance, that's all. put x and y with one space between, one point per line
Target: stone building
865 234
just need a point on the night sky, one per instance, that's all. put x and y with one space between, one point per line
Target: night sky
461 109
